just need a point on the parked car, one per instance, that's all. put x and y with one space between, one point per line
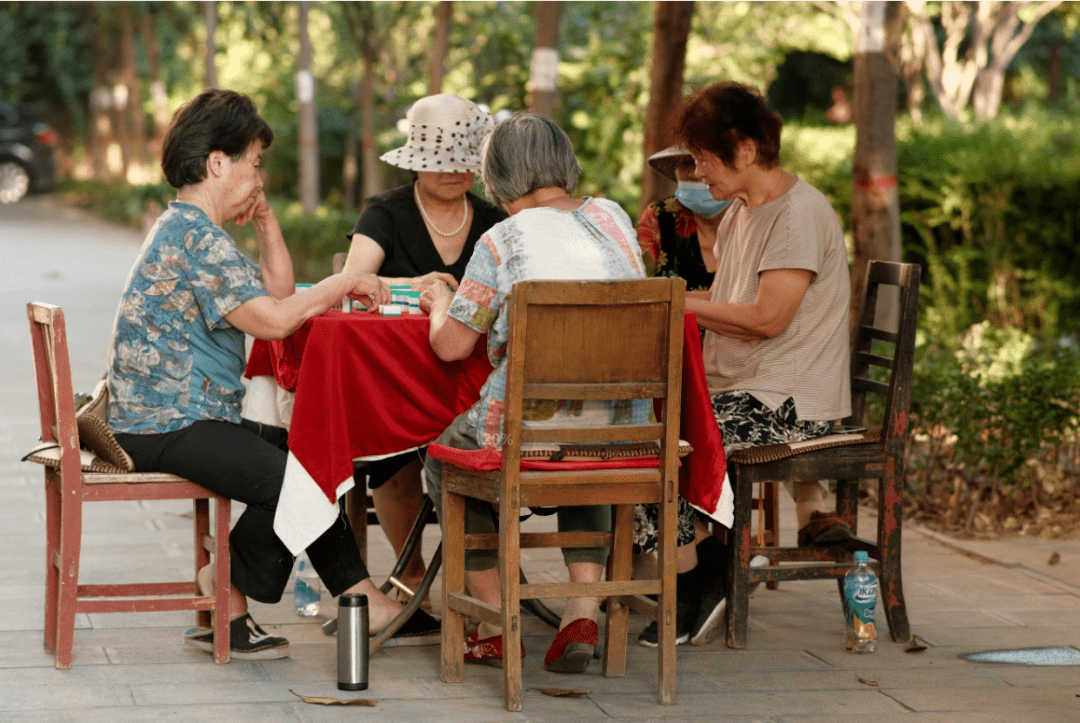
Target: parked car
26 153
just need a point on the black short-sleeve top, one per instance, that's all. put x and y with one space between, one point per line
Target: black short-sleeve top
392 219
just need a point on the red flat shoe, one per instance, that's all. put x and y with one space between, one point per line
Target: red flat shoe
488 651
573 647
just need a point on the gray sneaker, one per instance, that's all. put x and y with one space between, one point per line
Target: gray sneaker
247 641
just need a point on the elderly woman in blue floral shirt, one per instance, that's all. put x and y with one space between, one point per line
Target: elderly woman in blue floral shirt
177 356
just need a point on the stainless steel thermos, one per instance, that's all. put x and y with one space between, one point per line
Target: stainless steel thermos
352 642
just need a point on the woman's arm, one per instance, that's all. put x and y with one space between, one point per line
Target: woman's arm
780 291
267 317
366 256
450 339
275 263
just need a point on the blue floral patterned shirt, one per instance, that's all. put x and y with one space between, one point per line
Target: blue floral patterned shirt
174 358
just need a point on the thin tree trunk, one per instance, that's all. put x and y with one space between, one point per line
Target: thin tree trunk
157 87
875 222
671 28
372 170
438 50
308 172
350 169
544 74
101 98
136 120
211 18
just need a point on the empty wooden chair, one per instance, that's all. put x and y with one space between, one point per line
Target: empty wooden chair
877 453
69 484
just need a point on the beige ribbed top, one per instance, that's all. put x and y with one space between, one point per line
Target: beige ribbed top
809 360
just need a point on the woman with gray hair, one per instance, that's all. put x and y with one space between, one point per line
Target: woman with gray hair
529 169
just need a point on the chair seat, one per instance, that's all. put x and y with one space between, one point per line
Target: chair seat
772 452
490 460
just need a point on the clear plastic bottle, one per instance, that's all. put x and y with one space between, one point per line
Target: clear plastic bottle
860 601
307 591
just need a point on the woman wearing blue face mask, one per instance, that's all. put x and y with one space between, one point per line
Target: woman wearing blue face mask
678 234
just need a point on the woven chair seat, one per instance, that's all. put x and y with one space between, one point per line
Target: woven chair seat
772 452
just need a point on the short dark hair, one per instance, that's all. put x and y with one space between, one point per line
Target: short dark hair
215 120
723 115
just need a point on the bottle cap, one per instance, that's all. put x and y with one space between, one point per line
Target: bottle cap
862 556
352 600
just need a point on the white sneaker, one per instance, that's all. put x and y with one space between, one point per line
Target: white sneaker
757 561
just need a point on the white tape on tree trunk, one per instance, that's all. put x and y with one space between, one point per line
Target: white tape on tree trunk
544 74
871 37
305 86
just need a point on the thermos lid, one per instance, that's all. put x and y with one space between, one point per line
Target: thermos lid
352 600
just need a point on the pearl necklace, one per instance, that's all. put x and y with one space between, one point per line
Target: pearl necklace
423 212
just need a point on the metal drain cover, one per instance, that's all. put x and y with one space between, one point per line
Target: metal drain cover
1029 656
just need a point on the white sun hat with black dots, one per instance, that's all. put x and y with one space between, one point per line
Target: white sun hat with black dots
445 135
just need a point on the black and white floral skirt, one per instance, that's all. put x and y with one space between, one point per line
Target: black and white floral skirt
744 421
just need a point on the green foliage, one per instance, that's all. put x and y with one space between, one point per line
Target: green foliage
995 405
116 201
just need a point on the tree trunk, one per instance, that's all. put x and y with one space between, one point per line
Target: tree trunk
137 171
671 28
308 172
438 50
544 74
373 183
157 87
875 222
211 19
101 98
350 170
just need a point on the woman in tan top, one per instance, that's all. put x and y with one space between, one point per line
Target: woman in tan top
776 341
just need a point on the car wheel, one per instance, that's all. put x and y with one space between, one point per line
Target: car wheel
14 181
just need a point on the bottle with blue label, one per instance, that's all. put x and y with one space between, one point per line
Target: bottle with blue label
307 591
860 600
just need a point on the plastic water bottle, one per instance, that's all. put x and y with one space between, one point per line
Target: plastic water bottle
307 591
860 600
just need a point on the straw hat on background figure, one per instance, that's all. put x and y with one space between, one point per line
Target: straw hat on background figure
445 135
665 161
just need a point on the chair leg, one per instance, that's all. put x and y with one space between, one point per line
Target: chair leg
510 583
770 494
68 581
453 622
738 570
618 614
52 547
666 623
890 516
202 556
222 579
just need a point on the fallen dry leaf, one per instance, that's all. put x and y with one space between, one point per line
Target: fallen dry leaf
562 692
317 700
864 681
1055 558
915 645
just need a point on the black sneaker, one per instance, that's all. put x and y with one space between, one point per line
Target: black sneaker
687 595
419 629
247 641
714 603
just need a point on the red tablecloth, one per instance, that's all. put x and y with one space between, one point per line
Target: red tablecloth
368 385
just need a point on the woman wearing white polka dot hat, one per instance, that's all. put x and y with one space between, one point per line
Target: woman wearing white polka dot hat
421 234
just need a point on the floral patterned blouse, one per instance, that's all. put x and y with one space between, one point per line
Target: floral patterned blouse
174 358
667 233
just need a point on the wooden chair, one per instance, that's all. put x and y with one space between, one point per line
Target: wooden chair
68 486
576 340
876 454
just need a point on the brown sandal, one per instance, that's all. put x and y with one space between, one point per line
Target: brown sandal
823 529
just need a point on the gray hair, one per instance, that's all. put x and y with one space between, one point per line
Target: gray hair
525 153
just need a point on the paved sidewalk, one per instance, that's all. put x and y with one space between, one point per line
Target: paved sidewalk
962 598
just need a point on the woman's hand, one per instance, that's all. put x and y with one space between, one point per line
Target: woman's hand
436 295
435 278
368 289
258 208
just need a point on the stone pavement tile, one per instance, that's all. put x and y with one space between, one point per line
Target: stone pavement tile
867 703
62 697
1030 676
25 649
1020 701
963 641
723 660
762 680
263 713
983 716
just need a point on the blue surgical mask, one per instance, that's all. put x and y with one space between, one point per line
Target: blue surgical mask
696 197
